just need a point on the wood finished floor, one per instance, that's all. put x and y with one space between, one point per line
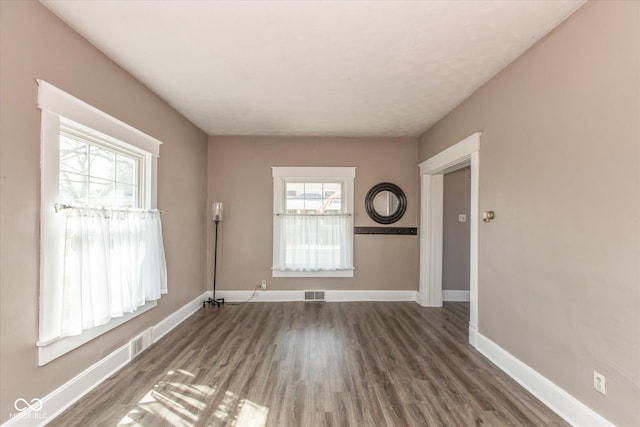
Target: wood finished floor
313 364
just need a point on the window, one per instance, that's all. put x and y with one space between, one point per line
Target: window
97 171
313 197
102 256
313 221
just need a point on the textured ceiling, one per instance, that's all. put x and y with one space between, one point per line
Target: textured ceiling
331 68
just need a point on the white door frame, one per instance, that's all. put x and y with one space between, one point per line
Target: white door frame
464 153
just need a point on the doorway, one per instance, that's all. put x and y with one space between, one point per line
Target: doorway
464 153
455 236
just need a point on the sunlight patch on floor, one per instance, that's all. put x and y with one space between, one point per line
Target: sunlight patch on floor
174 401
251 415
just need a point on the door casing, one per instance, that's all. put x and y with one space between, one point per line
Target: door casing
464 153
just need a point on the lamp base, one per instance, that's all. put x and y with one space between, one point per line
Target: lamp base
212 301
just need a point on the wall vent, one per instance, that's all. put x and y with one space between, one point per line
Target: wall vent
314 296
140 343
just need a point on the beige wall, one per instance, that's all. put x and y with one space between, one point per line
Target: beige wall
559 267
240 176
35 44
456 235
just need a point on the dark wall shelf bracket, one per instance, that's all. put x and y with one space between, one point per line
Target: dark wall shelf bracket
406 231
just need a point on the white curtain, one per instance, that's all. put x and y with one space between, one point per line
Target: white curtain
113 263
313 242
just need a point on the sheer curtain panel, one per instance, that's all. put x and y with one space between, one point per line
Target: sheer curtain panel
113 263
313 242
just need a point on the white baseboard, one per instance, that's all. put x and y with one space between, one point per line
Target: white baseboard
568 407
260 296
345 296
455 296
473 335
54 403
331 296
64 396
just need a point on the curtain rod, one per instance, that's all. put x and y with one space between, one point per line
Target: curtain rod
312 214
61 206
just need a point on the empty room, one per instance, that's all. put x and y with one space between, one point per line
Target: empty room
320 213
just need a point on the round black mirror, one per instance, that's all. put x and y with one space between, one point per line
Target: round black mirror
385 203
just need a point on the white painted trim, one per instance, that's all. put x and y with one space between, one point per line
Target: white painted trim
473 335
568 407
51 226
449 159
54 104
260 296
54 403
455 295
281 174
330 295
431 241
423 282
50 351
57 101
464 153
345 296
64 396
329 273
474 223
313 171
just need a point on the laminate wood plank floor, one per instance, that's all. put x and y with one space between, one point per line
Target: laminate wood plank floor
313 364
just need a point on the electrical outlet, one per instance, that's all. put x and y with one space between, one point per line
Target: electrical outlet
263 285
599 383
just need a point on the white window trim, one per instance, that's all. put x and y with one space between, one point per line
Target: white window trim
283 173
59 102
56 103
52 350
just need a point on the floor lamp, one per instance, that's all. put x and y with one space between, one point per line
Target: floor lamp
216 215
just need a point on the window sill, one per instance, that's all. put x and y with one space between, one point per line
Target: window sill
52 350
336 273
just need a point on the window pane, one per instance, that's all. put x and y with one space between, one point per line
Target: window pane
74 188
331 188
294 189
333 205
313 190
102 163
332 202
101 192
126 169
312 196
126 196
295 197
73 155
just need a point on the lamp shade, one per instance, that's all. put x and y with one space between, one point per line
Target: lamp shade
216 211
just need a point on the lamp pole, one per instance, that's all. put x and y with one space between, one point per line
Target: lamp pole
216 213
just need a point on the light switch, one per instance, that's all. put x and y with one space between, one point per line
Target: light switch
462 218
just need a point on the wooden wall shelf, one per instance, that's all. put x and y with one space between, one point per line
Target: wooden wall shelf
406 231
